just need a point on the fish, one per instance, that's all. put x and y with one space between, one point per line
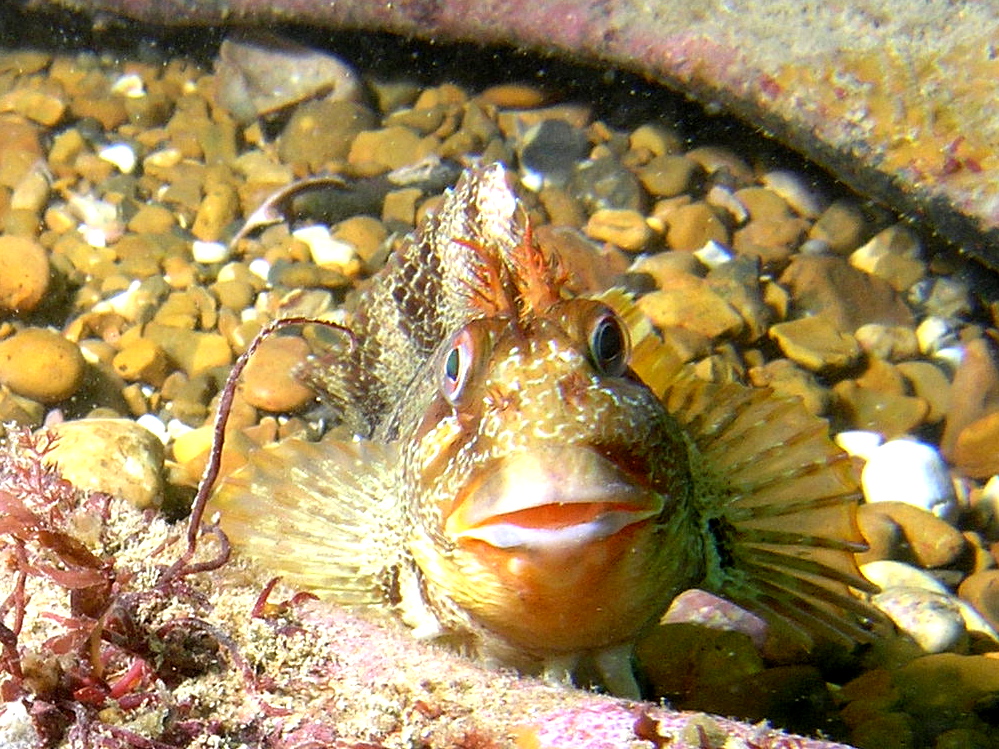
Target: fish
533 477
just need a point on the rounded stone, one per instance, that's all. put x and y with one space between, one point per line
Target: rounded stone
981 590
667 176
322 131
815 343
692 226
841 226
933 620
24 274
975 453
626 229
141 360
41 364
377 151
931 542
911 472
116 456
270 380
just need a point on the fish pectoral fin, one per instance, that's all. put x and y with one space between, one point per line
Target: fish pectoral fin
325 516
783 500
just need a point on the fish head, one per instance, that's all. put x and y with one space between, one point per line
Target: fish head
553 501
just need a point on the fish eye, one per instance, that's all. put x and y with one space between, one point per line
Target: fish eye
609 345
457 365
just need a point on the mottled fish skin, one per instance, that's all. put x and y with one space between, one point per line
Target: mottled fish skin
519 488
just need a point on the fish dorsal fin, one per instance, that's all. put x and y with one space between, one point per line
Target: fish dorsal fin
325 516
425 292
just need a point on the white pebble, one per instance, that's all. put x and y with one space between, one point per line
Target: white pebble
858 443
121 155
952 356
721 197
533 181
124 303
713 254
130 86
912 472
175 428
325 250
260 267
792 187
934 333
933 620
155 425
209 252
887 573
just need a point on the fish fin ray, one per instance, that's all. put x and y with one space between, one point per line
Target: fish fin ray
324 516
784 499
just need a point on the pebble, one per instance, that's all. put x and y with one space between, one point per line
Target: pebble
841 226
973 420
718 161
325 251
887 342
365 235
668 175
209 252
696 606
513 96
624 228
932 620
923 537
270 380
190 450
193 351
375 152
117 456
322 131
692 226
656 139
912 472
888 573
889 413
815 343
849 297
122 155
216 211
975 453
981 590
892 254
693 305
605 183
258 73
41 364
770 240
24 274
858 443
142 361
792 187
550 152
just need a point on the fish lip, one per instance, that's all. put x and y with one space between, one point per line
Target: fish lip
596 497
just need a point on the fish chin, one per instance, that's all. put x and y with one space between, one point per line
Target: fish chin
554 499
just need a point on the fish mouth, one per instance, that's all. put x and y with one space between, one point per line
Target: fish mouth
557 498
